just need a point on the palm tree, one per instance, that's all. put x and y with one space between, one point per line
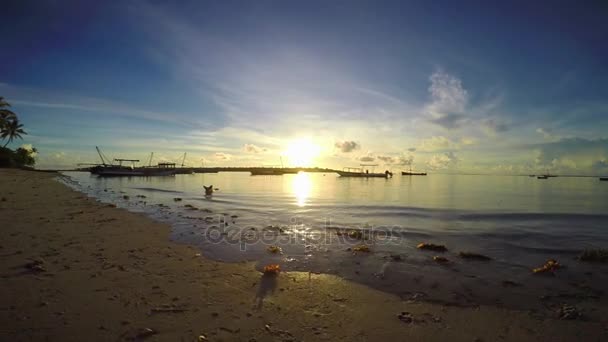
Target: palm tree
5 113
12 129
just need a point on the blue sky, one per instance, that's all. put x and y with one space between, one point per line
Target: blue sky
514 87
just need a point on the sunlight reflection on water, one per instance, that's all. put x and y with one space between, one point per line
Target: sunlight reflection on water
301 187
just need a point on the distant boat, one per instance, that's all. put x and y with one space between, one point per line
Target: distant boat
113 169
162 169
267 172
183 169
408 173
412 173
604 178
542 177
363 173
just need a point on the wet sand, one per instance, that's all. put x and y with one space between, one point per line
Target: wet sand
73 269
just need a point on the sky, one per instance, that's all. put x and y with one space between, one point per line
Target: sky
512 87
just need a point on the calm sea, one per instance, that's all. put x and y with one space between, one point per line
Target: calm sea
518 221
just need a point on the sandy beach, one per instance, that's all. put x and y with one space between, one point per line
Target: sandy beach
74 269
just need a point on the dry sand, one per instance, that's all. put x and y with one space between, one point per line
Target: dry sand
105 274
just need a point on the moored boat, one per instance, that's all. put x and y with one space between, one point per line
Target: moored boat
361 172
410 173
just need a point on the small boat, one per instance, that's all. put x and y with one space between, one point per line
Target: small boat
272 171
266 172
184 171
363 173
542 177
603 178
161 169
410 173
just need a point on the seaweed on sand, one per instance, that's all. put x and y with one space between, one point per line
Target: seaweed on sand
432 247
594 255
440 259
362 248
272 269
548 268
275 249
474 256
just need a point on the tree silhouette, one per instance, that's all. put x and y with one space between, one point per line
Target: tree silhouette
12 129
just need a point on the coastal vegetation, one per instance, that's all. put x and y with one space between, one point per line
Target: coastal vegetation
11 129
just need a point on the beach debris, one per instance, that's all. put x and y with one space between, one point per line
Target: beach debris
355 234
275 249
177 199
431 247
594 255
405 317
3 199
125 197
111 205
569 312
274 228
167 308
190 206
549 267
361 248
474 256
145 333
202 338
141 196
272 269
36 265
440 259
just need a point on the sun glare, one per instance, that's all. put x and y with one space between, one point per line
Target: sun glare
301 187
302 152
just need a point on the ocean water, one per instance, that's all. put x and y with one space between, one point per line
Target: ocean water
518 221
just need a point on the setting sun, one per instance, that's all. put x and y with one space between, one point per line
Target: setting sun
302 152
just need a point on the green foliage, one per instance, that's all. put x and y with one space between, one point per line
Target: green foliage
11 129
25 157
21 157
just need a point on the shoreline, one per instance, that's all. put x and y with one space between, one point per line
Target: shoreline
109 274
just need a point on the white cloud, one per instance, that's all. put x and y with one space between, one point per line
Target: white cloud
367 159
466 141
387 159
545 133
347 146
443 161
495 125
406 159
448 100
251 148
222 156
436 143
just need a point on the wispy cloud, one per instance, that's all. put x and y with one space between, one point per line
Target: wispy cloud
347 146
449 100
